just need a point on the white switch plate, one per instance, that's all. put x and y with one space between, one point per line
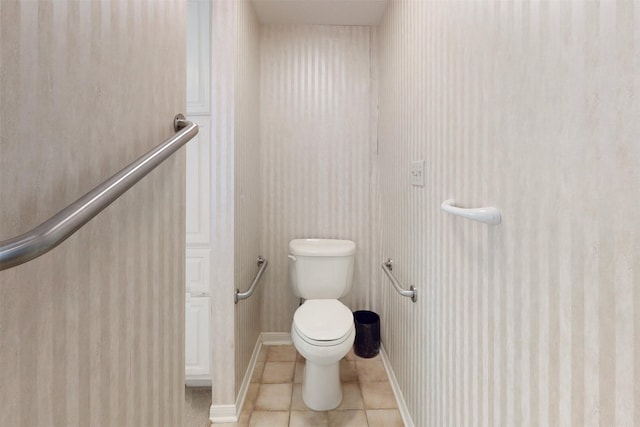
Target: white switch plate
417 173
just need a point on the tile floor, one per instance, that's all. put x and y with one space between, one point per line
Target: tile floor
274 397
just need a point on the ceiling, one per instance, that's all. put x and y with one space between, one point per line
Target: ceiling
320 12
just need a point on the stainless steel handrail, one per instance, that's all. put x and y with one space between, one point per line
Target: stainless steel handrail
62 225
237 296
412 293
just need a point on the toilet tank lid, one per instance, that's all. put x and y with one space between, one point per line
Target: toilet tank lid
322 247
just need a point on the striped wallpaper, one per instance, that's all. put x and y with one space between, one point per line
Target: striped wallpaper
248 197
317 153
224 24
236 193
92 333
531 107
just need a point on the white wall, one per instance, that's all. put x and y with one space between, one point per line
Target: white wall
530 107
317 153
92 333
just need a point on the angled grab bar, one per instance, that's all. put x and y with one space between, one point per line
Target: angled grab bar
262 264
412 293
488 215
62 225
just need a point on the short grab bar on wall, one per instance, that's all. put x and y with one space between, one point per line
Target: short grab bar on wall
262 264
488 215
62 225
412 293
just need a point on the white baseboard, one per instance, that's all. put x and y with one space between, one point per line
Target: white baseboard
276 338
231 413
246 381
223 414
402 405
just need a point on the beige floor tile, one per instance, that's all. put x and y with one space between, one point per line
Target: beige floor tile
243 421
308 419
276 389
281 353
299 372
347 419
348 371
250 398
371 371
269 419
256 376
262 356
297 404
351 397
384 418
278 372
378 396
274 397
351 356
245 413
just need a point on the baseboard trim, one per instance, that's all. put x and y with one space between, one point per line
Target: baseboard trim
276 338
223 414
246 381
393 381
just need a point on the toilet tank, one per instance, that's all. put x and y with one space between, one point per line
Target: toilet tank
321 268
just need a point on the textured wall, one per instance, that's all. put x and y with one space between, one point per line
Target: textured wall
92 332
224 25
248 201
236 192
531 107
318 150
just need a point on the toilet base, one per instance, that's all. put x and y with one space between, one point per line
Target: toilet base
321 390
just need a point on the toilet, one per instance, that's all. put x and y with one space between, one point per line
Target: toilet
321 271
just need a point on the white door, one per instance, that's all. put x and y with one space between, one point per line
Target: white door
197 350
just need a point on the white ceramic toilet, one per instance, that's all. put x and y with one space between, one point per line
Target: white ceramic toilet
321 271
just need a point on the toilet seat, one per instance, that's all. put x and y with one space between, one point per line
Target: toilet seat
321 343
323 322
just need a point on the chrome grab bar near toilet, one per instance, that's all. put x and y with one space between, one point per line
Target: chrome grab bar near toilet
487 215
412 293
62 225
262 263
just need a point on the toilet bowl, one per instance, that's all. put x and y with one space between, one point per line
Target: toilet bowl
322 331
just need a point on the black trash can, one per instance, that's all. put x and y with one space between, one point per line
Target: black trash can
367 343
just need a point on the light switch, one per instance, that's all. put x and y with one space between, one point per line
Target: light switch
417 173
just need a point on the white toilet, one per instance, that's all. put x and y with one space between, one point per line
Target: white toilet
321 271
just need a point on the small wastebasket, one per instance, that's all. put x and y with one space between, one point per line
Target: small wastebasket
367 342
